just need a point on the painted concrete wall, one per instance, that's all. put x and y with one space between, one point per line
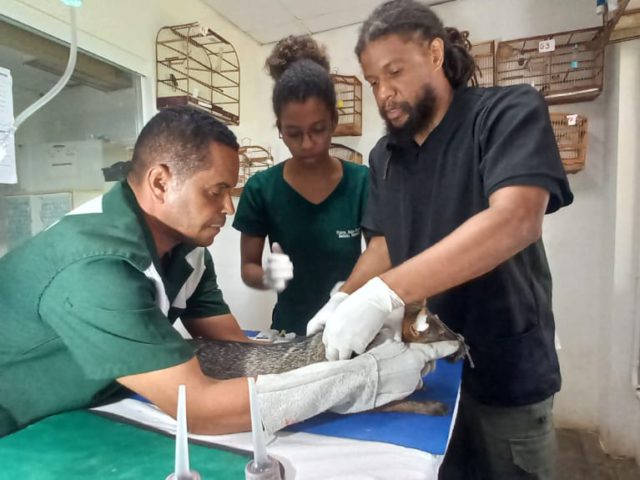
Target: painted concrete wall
619 406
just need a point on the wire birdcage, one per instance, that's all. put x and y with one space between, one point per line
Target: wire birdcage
345 153
484 55
349 105
571 135
196 66
565 67
253 159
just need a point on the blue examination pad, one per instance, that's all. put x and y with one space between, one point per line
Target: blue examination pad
423 432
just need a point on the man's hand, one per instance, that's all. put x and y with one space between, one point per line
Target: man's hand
319 320
402 366
388 372
358 319
278 269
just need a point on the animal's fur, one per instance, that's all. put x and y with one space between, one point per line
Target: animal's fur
222 360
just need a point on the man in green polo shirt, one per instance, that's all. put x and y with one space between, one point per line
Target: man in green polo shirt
88 304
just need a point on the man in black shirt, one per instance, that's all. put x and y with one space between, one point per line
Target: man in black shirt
458 191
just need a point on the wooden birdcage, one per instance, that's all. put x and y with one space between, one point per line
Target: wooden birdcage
623 23
196 66
253 159
349 105
571 135
565 67
345 153
485 55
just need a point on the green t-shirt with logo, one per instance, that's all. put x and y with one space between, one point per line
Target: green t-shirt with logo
87 301
323 240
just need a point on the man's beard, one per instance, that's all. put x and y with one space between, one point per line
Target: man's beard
419 117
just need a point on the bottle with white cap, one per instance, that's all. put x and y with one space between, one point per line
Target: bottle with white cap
182 470
262 467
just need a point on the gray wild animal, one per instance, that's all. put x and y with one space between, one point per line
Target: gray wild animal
223 360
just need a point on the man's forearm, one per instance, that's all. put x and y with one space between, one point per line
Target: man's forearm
373 261
473 249
213 406
252 275
223 408
221 327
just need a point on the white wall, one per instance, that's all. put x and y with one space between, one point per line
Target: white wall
619 412
576 246
593 252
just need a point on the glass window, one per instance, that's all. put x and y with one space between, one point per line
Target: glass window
74 147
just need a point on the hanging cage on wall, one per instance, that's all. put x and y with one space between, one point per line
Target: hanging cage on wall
253 159
571 135
345 153
196 66
623 23
484 55
349 105
565 67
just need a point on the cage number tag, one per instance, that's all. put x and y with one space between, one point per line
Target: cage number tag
547 45
572 119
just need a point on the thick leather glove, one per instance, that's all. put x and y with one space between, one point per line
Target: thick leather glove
359 318
319 320
400 369
278 269
388 372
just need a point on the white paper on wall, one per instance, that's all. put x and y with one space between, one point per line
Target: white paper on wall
27 215
7 139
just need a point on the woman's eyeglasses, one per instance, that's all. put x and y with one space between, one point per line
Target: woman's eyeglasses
316 134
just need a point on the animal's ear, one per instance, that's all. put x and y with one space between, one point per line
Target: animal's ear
413 309
411 312
409 331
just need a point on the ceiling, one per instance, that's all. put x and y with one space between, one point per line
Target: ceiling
267 21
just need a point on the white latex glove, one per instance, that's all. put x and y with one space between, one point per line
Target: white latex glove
386 373
319 320
389 332
278 269
359 318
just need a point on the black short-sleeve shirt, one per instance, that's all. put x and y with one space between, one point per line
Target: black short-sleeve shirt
489 138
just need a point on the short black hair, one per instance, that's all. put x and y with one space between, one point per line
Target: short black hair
300 68
179 137
410 19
